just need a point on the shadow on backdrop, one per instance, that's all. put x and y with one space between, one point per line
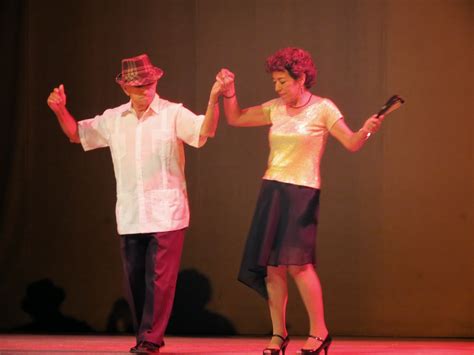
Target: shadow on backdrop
42 302
120 319
189 315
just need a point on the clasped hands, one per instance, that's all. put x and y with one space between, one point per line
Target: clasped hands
226 80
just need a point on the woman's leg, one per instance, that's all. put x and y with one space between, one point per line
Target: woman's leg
277 289
309 286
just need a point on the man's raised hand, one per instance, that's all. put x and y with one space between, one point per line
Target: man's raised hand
57 99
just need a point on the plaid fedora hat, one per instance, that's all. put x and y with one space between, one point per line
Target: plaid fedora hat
138 71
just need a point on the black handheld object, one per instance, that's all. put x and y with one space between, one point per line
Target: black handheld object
391 105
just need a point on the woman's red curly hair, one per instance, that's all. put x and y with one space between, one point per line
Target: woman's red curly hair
296 61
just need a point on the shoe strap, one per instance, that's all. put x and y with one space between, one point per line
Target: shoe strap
279 336
317 338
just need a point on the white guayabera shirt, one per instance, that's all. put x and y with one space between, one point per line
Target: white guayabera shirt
148 159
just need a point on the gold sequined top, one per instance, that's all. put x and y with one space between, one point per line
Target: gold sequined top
297 142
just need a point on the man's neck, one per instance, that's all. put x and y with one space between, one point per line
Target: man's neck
140 112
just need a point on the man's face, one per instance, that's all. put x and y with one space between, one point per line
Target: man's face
141 96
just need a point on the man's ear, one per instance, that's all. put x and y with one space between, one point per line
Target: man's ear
124 88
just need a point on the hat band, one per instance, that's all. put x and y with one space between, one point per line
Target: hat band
139 77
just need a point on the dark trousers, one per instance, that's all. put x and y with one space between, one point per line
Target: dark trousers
151 264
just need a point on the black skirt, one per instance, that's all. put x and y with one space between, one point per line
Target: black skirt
283 231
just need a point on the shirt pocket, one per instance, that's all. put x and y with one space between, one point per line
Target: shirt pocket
168 204
161 142
119 145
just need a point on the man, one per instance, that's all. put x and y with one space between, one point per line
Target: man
146 138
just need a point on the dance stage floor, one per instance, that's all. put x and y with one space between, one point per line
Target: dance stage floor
104 344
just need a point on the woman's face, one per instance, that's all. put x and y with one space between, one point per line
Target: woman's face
286 87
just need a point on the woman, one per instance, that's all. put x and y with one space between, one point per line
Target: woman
283 232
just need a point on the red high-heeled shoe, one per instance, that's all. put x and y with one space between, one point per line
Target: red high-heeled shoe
282 349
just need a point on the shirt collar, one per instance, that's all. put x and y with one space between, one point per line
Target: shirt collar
155 105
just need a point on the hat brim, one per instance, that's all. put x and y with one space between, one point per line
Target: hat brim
144 78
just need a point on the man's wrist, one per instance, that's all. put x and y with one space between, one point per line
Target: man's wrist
60 111
212 102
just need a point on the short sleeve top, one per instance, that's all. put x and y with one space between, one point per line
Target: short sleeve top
148 159
297 142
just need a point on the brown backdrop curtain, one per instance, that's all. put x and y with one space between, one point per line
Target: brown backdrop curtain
395 250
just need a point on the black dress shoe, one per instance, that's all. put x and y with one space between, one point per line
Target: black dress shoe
134 349
146 347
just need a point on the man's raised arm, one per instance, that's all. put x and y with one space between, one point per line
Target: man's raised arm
57 103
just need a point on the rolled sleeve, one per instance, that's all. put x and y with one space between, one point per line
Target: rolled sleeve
188 127
93 133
